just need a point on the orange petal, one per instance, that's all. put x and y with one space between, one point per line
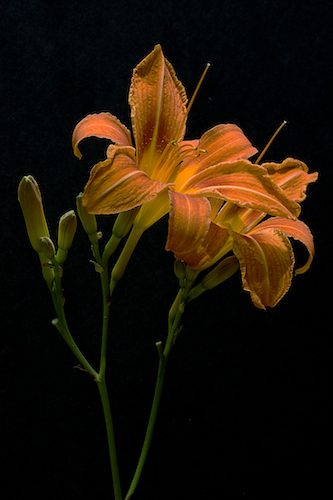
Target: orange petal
219 144
116 184
102 125
202 255
240 219
188 223
225 142
292 176
293 229
243 183
266 261
158 107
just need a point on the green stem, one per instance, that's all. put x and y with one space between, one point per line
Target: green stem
151 425
111 440
61 324
174 320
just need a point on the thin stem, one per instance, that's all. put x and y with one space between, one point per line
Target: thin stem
151 425
61 324
163 358
110 247
111 440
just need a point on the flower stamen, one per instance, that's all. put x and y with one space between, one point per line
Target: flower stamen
264 151
197 88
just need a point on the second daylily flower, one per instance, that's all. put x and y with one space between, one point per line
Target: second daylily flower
164 173
262 247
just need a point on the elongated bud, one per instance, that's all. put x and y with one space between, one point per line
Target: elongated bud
124 222
224 270
31 203
46 246
66 231
88 221
179 270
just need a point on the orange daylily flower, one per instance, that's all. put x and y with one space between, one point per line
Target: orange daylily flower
165 173
262 248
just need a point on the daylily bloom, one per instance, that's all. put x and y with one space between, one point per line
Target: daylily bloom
262 248
165 173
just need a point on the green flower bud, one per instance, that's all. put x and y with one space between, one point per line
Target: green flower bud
88 220
223 271
179 270
31 203
124 222
46 246
66 231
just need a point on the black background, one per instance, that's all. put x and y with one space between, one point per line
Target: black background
245 410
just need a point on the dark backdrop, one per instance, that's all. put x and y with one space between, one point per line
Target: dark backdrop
245 408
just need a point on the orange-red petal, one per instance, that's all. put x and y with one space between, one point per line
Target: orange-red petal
266 261
293 229
102 125
158 107
292 176
243 183
208 249
188 223
225 142
116 184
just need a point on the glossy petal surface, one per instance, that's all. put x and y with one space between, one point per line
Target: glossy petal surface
292 176
102 125
293 229
158 107
188 223
244 184
116 184
266 261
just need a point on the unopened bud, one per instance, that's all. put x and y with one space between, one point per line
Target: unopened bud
124 222
31 203
66 231
179 270
223 271
46 246
88 220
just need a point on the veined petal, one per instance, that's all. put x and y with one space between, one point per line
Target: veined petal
292 176
212 244
225 142
293 229
239 218
158 107
116 184
243 183
188 223
266 261
102 125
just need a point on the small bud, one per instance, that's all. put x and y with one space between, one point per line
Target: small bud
124 222
179 270
66 231
46 246
31 203
223 271
88 221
